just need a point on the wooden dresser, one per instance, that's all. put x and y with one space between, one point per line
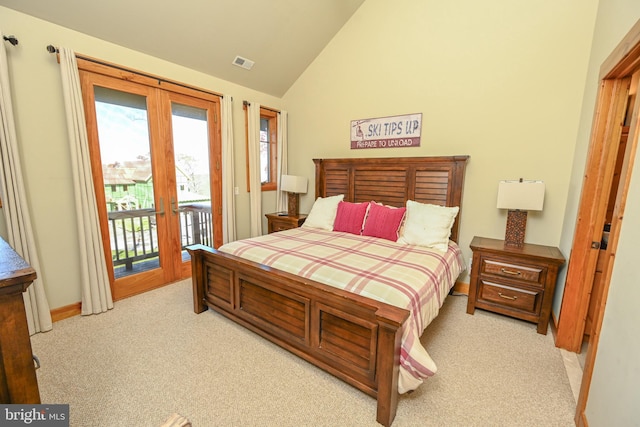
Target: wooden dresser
18 382
277 222
517 282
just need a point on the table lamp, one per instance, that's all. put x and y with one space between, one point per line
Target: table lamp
519 197
293 185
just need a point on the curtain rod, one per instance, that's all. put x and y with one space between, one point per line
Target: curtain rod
52 49
11 39
247 103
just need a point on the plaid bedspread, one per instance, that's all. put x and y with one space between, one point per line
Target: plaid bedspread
406 276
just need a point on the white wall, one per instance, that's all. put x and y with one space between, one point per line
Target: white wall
500 81
613 397
39 112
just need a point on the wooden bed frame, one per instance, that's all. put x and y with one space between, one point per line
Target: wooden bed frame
352 337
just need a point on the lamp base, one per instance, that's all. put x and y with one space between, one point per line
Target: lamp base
516 226
293 202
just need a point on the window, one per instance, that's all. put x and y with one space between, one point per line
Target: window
268 149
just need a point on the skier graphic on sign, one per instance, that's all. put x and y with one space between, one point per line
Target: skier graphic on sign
359 134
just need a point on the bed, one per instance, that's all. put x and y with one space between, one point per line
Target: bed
354 337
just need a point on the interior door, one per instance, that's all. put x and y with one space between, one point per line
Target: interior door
623 63
152 154
612 105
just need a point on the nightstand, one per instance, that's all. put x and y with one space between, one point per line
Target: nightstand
278 222
517 282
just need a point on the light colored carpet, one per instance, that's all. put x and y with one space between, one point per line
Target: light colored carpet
151 356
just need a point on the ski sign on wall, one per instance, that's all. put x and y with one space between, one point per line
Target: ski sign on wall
387 132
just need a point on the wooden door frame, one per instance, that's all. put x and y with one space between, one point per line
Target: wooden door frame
139 282
596 186
616 73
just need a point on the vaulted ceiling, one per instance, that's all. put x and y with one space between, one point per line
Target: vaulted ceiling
282 37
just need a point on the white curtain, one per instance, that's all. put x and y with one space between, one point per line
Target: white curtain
16 209
228 184
96 291
255 184
281 197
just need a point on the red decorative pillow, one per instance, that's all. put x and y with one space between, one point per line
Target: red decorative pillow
383 221
350 217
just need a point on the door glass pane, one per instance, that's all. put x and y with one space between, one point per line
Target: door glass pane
191 150
123 132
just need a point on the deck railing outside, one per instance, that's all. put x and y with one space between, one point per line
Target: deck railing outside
134 237
195 224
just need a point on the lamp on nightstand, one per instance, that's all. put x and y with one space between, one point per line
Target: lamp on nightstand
294 185
519 197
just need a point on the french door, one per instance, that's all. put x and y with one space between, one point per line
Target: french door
155 157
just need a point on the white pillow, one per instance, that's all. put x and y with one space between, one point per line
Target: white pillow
323 213
428 225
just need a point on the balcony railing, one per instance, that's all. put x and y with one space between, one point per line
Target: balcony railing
195 224
134 237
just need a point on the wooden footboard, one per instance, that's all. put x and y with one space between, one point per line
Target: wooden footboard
354 338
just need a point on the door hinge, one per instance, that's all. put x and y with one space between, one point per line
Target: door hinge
595 245
217 165
219 210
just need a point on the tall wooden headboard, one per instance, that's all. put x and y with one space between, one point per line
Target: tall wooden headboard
393 181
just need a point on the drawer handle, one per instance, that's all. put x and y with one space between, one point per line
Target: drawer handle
507 297
513 273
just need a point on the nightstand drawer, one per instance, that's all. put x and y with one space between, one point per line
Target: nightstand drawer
280 226
278 222
513 271
521 299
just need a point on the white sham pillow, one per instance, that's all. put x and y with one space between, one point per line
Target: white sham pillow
323 213
428 225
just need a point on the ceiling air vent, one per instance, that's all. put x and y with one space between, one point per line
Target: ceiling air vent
243 62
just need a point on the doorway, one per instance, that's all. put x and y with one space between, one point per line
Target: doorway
155 156
605 186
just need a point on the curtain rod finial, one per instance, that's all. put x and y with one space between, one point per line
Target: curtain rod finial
52 49
11 39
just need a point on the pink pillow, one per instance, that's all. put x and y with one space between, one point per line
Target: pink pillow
383 221
350 217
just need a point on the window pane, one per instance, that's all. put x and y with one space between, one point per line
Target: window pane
123 129
265 153
191 150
